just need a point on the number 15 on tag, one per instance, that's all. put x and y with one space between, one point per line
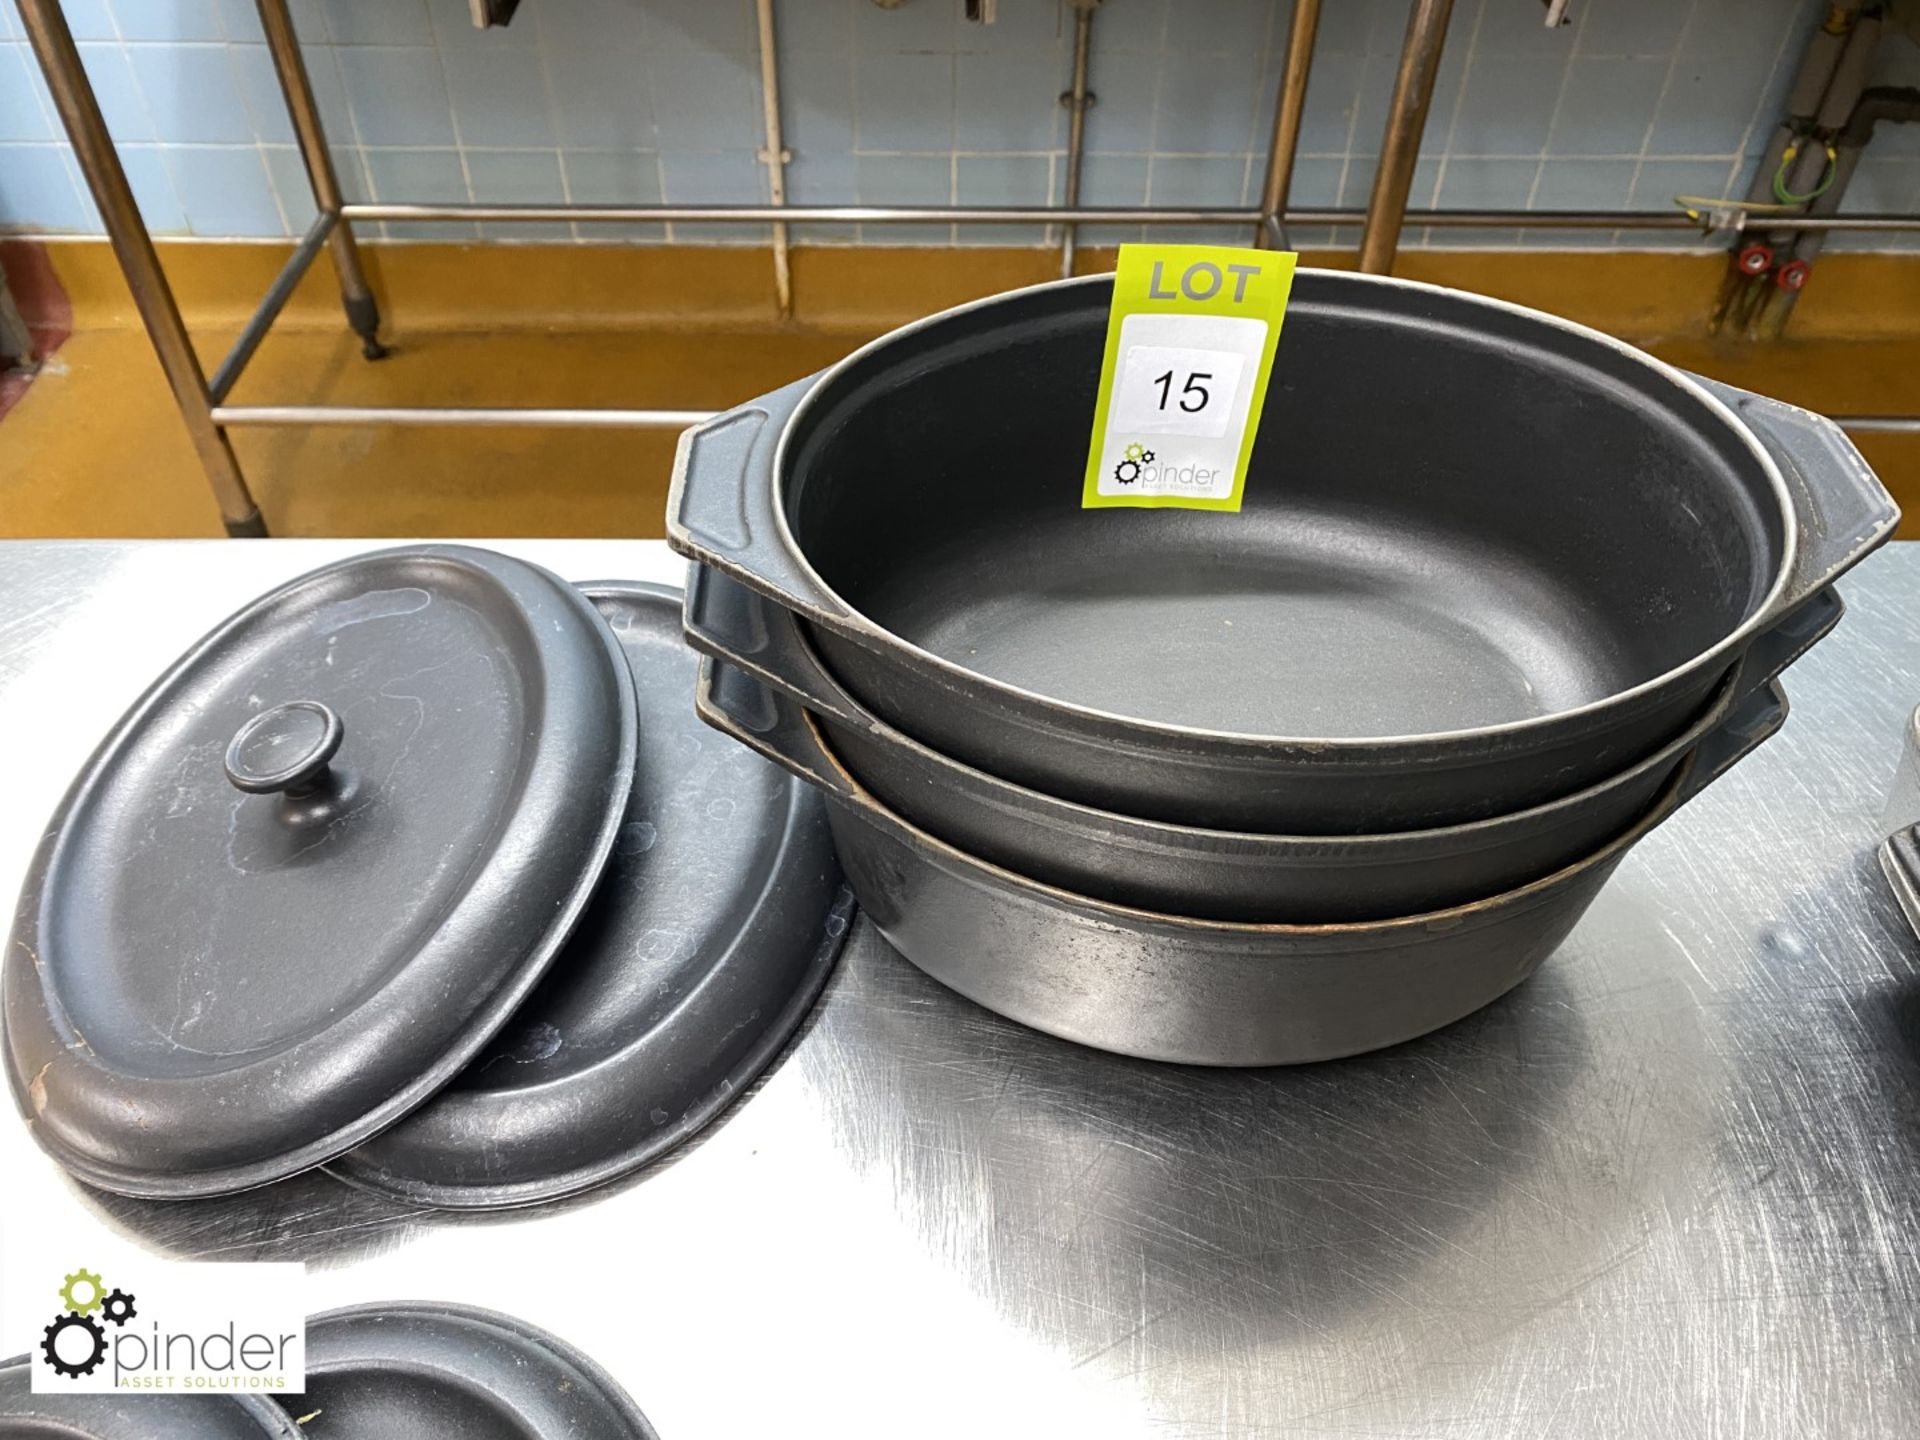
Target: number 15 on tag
1190 345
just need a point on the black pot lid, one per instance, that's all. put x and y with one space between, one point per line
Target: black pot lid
314 869
427 1372
709 938
133 1416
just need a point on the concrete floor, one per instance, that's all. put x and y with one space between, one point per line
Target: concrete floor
95 448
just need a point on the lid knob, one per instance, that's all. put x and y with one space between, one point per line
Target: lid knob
285 748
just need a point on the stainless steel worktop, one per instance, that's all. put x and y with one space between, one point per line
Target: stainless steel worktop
1671 1186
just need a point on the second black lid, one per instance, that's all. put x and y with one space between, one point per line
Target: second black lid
718 920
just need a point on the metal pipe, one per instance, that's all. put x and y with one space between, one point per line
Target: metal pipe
1406 124
228 375
1288 110
356 296
1827 147
459 415
80 112
775 156
1105 215
1077 102
806 214
1742 287
1879 424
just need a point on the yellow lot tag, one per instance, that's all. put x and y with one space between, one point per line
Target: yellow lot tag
1190 344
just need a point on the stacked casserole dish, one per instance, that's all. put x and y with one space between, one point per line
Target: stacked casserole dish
1276 785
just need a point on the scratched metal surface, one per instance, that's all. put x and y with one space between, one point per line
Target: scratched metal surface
1669 1187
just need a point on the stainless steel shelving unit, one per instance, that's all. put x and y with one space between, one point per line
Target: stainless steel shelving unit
203 402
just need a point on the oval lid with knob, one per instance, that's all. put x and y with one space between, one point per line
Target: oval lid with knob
314 869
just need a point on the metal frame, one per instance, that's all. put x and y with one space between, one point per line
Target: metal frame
203 403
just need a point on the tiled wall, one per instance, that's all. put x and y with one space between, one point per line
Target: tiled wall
652 100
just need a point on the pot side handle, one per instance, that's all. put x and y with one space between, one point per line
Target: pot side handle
1754 721
738 706
1900 859
722 509
1774 649
726 620
1843 511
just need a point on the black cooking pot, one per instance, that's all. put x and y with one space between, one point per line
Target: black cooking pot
1211 874
1168 987
1487 557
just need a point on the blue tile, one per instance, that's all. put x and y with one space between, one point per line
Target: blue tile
453 29
1511 31
153 190
114 86
904 180
224 191
1585 185
1506 107
821 178
1007 102
396 95
705 102
1706 110
1031 29
925 26
704 26
1356 182
1003 180
1124 87
1206 104
22 116
423 176
721 178
1332 96
260 87
170 19
1883 185
1606 106
378 22
193 94
1316 183
1136 26
1425 184
1221 27
814 25
1476 184
1117 180
1203 183
90 20
519 177
1371 100
290 184
37 193
816 97
1629 27
9 27
615 177
1446 93
1355 27
600 93
240 20
581 27
499 96
904 102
